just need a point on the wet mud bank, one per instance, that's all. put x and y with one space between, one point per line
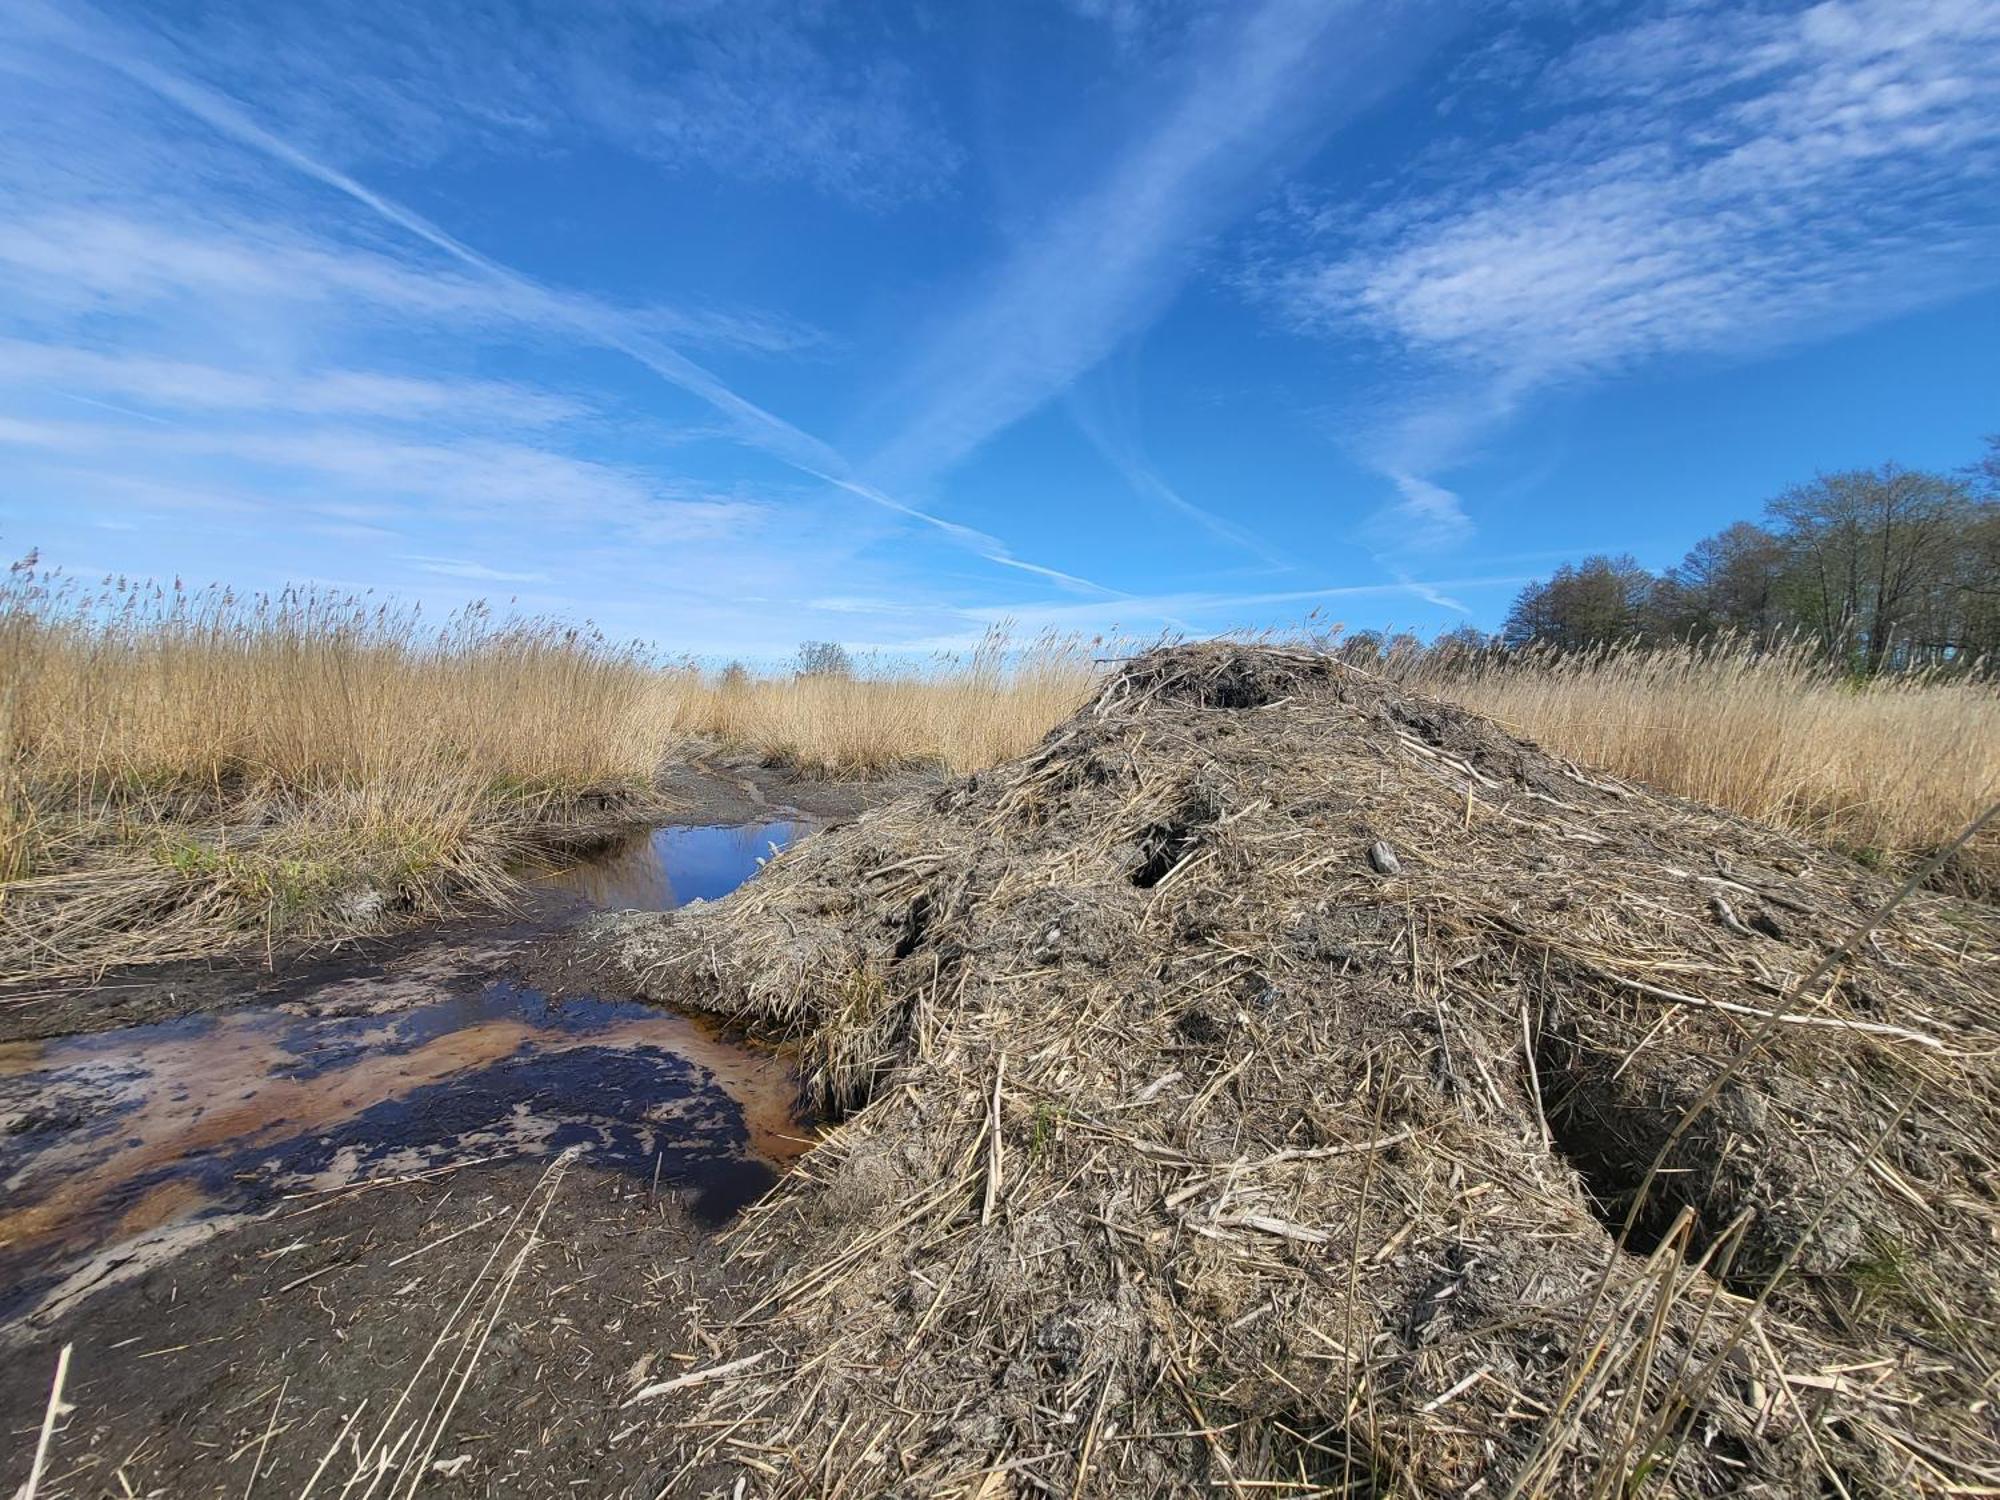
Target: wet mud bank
712 791
124 1147
324 1179
540 1302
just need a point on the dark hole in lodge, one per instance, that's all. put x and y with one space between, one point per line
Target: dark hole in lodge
915 922
1587 1134
1238 690
1612 1141
1238 683
1164 845
1199 1028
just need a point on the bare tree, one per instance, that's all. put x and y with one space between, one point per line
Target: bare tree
824 659
1728 582
1596 602
1870 548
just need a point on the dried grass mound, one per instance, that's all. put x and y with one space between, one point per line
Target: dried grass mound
1280 1083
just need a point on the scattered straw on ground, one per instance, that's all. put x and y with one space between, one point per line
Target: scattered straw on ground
1199 1145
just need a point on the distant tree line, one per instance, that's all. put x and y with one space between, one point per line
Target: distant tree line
1885 569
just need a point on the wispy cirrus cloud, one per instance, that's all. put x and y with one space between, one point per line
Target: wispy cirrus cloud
81 257
1141 27
787 92
186 386
1714 180
1184 612
80 32
478 572
1264 82
468 478
1105 410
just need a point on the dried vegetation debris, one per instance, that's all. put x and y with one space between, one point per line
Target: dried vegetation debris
1253 1089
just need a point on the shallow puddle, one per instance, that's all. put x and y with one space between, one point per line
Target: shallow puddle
127 1138
669 867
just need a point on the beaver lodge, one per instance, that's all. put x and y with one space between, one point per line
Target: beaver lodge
1277 1083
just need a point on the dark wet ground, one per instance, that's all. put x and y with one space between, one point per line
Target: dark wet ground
524 1299
119 1148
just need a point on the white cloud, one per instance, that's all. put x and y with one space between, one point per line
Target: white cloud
183 385
1427 518
138 492
348 531
582 319
478 572
1188 612
1106 410
89 258
1142 26
258 320
470 478
762 90
1268 79
1726 180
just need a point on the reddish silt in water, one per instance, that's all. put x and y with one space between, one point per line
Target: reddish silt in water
116 1136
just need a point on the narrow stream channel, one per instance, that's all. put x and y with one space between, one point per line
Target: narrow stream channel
118 1147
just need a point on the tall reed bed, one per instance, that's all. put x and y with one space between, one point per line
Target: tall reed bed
1888 770
184 771
963 715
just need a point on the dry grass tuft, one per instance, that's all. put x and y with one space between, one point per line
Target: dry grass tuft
186 771
1888 770
961 717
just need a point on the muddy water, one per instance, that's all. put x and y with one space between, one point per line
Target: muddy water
119 1147
669 867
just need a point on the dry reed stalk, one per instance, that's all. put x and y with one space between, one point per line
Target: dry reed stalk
404 1457
182 773
963 716
1890 769
57 1407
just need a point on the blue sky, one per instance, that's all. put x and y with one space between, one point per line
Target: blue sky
731 323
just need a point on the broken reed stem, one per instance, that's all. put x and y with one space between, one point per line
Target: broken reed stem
312 1480
257 1465
56 1408
551 1181
993 1143
1779 1017
376 1455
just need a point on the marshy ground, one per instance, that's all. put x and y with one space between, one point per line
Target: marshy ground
367 1127
1281 1082
1275 1082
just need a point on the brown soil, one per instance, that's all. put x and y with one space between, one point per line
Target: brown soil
336 1299
291 1323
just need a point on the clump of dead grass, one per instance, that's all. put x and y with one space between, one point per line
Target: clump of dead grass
962 715
1888 769
186 771
1597 1143
183 770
